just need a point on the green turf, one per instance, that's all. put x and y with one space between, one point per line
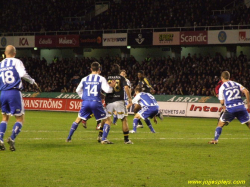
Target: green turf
176 154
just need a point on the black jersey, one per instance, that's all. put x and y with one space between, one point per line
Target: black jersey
145 85
118 92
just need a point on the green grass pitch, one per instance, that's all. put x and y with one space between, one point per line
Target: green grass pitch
177 153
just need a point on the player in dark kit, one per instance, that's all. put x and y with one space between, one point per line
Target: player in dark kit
144 84
115 102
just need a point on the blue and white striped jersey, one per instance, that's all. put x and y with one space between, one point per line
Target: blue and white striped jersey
145 99
11 72
129 85
230 92
89 89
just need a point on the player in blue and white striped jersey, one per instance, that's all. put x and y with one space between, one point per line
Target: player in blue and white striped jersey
149 108
230 98
89 89
12 71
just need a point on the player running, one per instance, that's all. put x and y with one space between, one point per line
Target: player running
149 109
89 89
230 99
11 72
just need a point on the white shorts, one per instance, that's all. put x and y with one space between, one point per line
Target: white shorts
119 107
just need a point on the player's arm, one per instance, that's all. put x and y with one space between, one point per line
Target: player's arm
246 92
148 85
22 72
221 97
127 90
79 89
106 87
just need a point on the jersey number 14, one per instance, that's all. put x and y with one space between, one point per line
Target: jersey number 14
91 90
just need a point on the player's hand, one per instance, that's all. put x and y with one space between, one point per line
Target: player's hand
130 101
248 106
37 87
112 83
155 120
129 105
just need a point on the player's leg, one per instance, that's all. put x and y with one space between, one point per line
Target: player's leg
136 119
73 128
136 109
17 109
225 118
115 118
3 127
101 114
150 112
106 128
122 114
99 138
149 124
98 124
243 117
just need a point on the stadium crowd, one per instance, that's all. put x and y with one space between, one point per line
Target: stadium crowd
49 15
191 75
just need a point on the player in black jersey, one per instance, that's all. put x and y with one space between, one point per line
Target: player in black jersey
115 101
146 87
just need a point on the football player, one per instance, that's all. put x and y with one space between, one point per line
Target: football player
11 72
147 88
230 99
123 73
115 102
149 108
89 89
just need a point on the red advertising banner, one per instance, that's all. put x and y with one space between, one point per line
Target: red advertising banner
69 105
67 41
45 41
73 105
193 38
44 104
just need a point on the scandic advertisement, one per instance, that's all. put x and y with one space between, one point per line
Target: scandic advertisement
194 38
45 41
166 38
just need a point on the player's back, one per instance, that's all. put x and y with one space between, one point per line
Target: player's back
145 85
9 76
118 93
92 85
232 96
146 99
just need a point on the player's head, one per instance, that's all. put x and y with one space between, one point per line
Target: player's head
225 76
138 89
115 70
95 66
123 73
10 51
140 75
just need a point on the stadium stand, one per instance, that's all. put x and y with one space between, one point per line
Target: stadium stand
49 15
191 75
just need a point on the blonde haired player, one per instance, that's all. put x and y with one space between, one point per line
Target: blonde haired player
12 71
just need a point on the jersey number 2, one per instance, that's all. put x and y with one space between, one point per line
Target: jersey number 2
7 77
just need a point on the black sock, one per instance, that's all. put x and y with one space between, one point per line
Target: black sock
100 132
126 135
139 122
